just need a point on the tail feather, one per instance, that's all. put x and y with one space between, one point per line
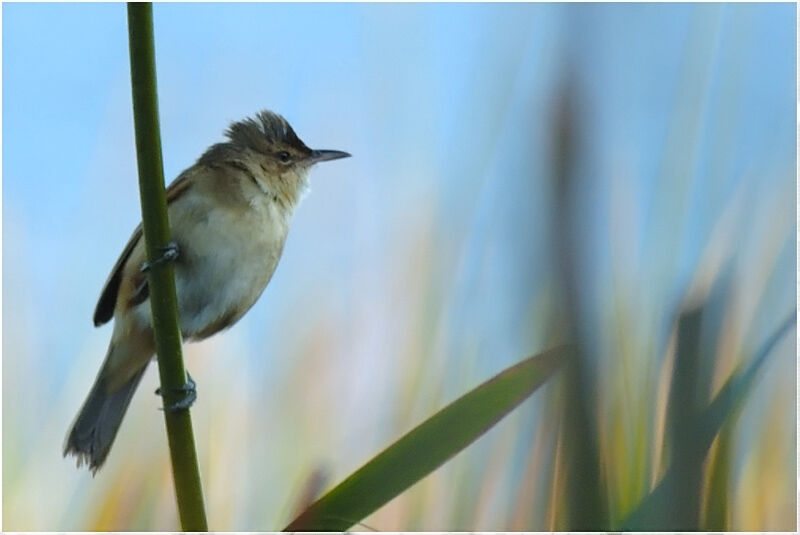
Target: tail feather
93 432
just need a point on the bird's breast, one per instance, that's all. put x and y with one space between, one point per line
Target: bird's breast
227 259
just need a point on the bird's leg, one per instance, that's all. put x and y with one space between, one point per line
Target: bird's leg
168 254
189 391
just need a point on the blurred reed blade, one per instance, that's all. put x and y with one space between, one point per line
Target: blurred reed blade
586 488
731 396
718 498
682 505
716 493
657 511
429 445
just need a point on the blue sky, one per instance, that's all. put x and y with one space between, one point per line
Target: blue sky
438 103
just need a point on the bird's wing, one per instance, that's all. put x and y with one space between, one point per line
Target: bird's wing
104 310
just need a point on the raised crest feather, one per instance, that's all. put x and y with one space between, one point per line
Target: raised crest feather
262 132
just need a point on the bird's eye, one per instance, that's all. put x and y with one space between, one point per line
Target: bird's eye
284 157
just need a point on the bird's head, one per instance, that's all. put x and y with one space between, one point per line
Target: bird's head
278 159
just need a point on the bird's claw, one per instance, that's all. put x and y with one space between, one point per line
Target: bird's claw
168 254
190 395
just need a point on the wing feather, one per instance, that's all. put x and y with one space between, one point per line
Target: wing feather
104 310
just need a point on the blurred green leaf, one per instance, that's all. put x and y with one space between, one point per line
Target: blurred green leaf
718 494
428 446
585 485
656 510
586 495
682 506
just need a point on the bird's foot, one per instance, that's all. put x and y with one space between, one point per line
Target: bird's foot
168 253
189 392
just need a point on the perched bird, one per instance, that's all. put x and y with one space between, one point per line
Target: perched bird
229 215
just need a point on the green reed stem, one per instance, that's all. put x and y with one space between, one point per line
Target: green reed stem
163 301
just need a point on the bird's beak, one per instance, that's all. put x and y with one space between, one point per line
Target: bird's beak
326 155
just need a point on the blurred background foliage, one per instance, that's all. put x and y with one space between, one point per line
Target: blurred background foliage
522 175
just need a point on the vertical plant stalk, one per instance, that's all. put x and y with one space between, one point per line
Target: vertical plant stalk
682 506
585 485
163 301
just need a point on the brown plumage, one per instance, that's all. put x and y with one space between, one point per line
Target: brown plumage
229 215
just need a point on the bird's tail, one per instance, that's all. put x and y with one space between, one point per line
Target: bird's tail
93 431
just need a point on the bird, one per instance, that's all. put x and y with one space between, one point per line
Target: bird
229 216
